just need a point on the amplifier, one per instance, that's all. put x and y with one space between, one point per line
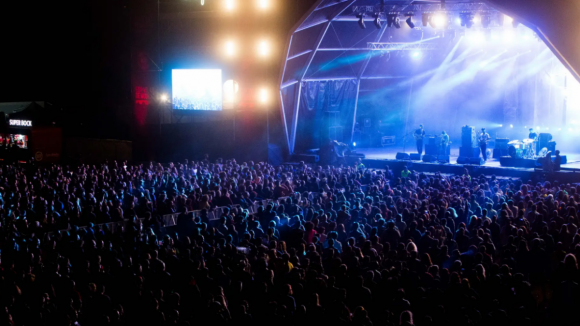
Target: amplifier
501 143
468 137
431 149
469 151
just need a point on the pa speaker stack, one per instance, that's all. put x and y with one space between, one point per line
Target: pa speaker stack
402 156
501 147
469 148
429 158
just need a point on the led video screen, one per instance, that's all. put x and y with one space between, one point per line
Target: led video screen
197 89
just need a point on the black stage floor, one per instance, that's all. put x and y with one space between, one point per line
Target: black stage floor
379 157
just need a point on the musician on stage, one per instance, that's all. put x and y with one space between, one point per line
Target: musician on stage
483 139
419 134
444 143
533 135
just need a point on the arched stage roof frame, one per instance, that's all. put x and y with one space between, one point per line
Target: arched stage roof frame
315 44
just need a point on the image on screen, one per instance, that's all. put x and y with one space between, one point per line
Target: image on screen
197 89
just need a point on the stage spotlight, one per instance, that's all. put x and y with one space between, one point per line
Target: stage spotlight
164 98
511 126
439 20
263 4
263 96
263 48
458 21
353 144
507 19
425 19
393 20
397 22
416 54
230 4
538 128
559 129
547 128
361 21
476 19
230 48
378 23
410 22
501 126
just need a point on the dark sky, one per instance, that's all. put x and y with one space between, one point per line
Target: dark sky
75 54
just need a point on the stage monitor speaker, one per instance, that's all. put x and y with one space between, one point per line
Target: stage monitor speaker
497 153
307 158
415 157
469 160
501 143
563 159
429 158
468 136
443 158
469 151
402 156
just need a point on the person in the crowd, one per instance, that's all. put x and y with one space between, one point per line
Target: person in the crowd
224 243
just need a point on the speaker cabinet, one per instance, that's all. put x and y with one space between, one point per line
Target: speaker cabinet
402 156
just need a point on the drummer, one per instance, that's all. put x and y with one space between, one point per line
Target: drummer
533 135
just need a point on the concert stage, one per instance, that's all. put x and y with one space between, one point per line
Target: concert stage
379 157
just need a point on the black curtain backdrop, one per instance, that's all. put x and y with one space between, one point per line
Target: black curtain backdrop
326 113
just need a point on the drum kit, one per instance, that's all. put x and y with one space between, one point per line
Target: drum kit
522 149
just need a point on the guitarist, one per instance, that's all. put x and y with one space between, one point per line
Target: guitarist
483 139
444 143
419 134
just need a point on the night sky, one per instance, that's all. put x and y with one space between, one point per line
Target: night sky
76 54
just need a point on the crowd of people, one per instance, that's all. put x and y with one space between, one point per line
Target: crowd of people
339 245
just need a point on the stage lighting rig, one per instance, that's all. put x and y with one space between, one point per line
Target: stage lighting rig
410 21
466 20
378 23
361 21
393 20
439 20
